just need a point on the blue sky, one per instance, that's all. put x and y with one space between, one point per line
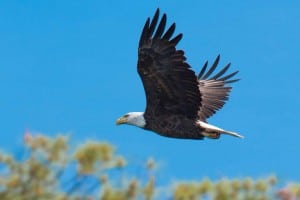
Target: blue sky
70 67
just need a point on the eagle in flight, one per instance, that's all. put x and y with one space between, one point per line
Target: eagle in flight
178 101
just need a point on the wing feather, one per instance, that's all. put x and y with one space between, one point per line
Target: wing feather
214 90
160 28
176 39
170 85
203 70
221 72
212 68
169 32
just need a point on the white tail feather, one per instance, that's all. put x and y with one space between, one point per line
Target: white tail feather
213 128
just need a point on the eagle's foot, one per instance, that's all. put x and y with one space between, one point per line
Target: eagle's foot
213 135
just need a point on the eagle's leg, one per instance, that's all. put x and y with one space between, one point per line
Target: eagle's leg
211 135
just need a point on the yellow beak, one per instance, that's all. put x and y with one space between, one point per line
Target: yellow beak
121 120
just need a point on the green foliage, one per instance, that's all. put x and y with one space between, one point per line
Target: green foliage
226 189
52 170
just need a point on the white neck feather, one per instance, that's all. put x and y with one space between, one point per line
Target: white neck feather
136 119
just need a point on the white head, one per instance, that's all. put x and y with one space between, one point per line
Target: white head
132 118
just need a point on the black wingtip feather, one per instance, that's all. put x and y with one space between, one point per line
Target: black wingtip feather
161 27
232 81
176 39
144 32
220 73
169 32
203 69
153 22
225 78
212 68
205 75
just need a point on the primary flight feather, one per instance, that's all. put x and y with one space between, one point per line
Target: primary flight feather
178 101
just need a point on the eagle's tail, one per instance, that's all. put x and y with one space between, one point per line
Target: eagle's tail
214 132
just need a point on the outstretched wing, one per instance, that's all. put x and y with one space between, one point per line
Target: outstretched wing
214 89
170 85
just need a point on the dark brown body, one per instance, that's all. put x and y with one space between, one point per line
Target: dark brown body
175 127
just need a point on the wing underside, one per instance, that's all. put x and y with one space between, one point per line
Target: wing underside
214 88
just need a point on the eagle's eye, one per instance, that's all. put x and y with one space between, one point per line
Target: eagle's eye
126 116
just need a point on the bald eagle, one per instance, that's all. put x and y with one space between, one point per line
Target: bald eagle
178 101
